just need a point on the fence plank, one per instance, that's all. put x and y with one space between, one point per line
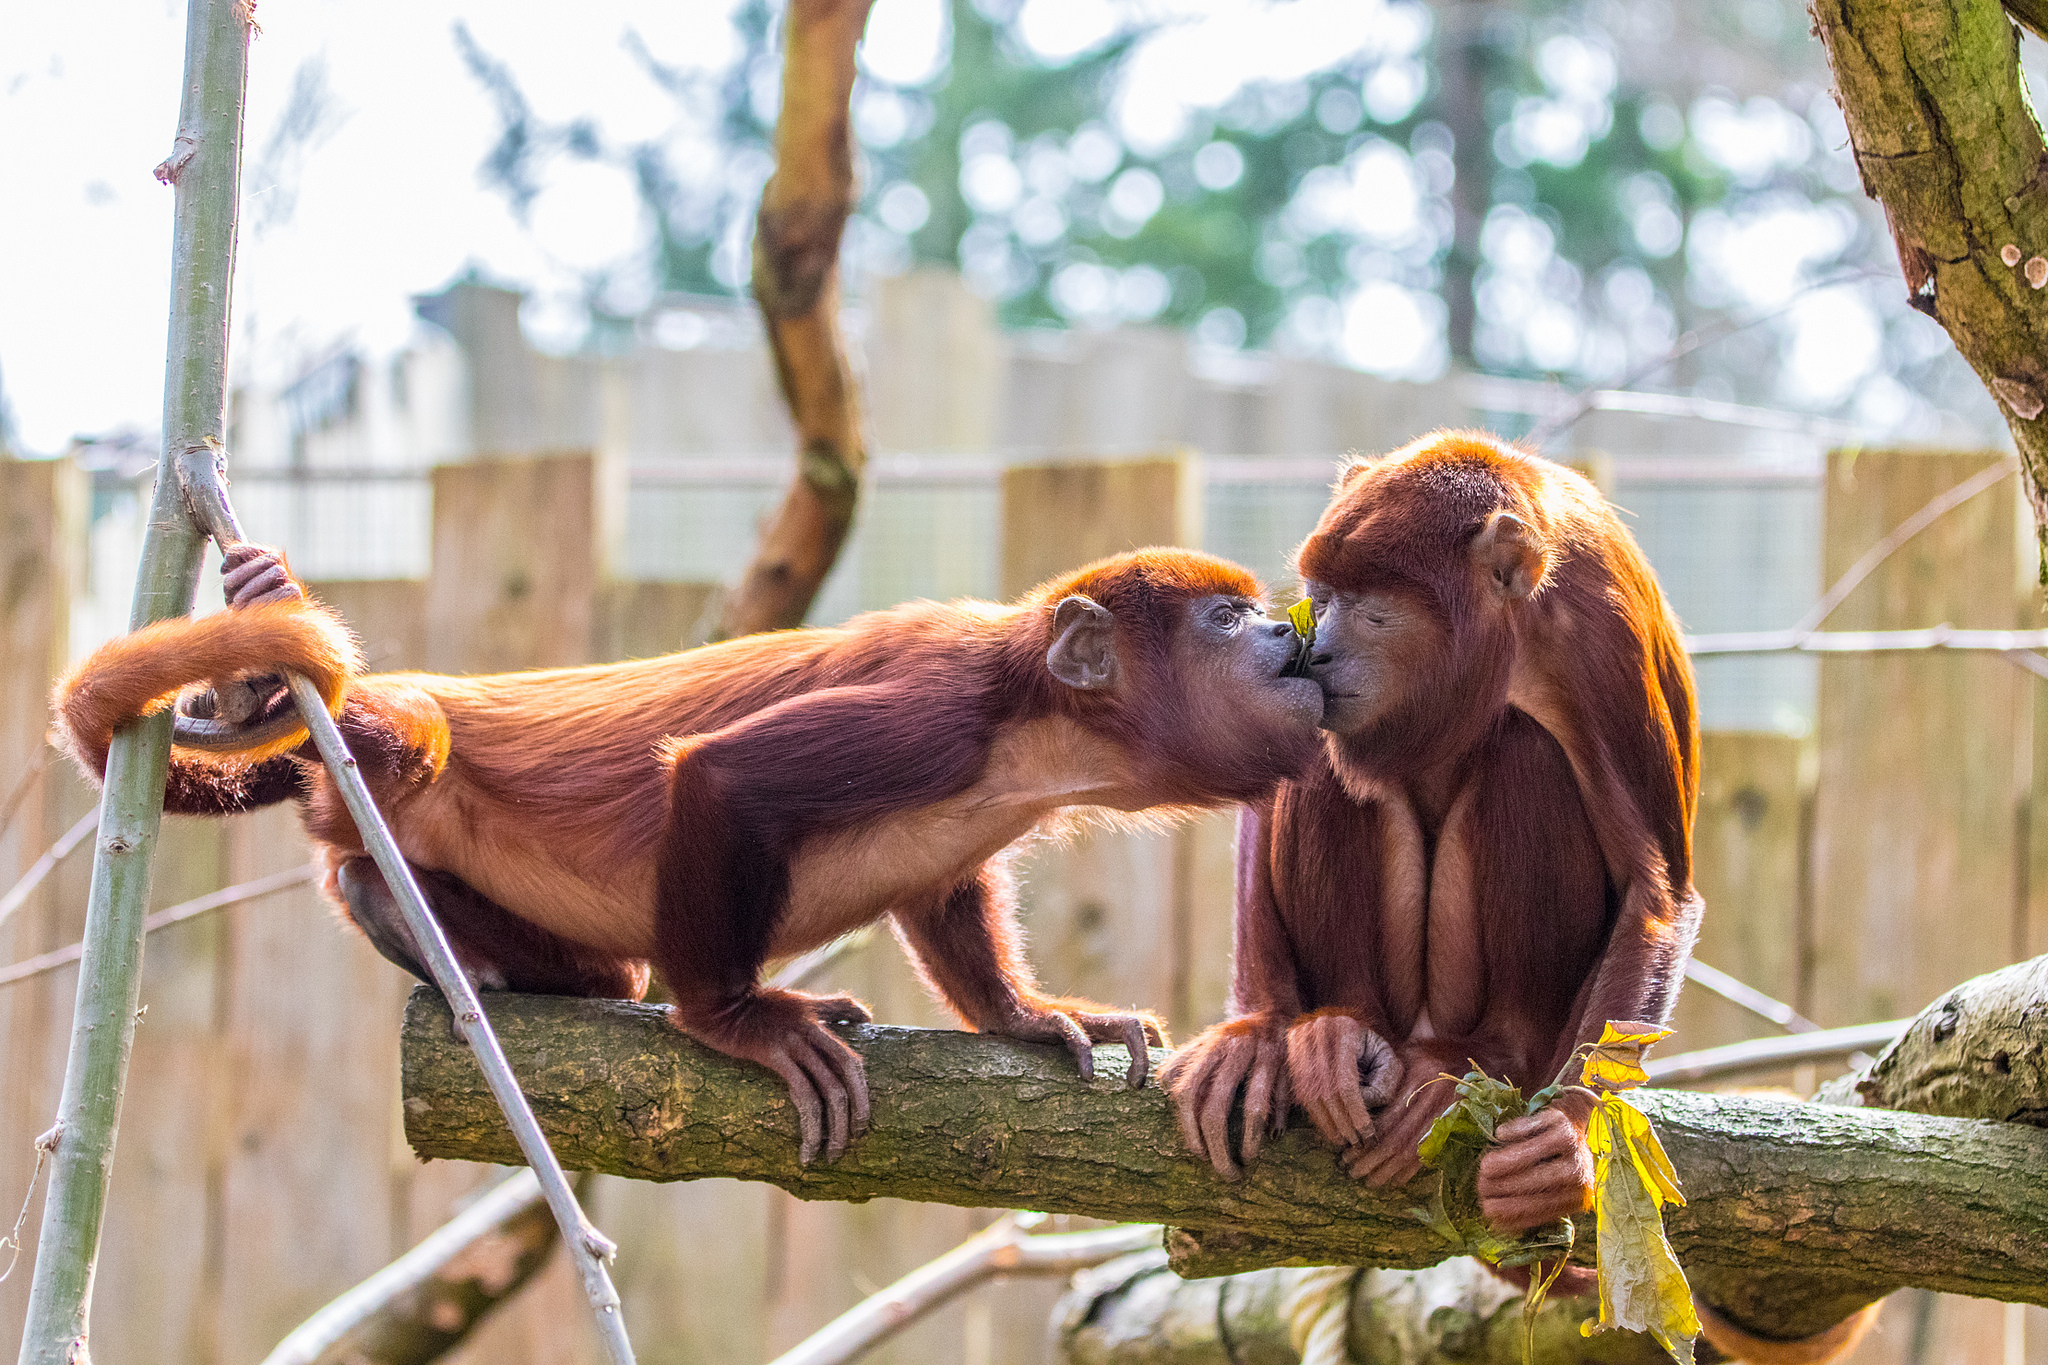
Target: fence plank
1923 769
1748 840
42 538
1921 758
516 553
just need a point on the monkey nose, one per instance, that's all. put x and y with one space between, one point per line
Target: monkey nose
1321 658
1279 628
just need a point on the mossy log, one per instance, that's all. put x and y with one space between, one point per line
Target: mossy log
1798 1214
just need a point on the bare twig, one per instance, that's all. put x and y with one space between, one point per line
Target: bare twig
45 1144
1004 1247
1912 526
29 781
1762 1054
1589 399
803 214
18 894
1868 641
1749 997
164 919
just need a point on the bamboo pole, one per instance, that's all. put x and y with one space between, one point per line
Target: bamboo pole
204 168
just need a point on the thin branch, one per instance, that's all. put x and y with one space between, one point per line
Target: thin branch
164 919
216 67
18 894
1912 526
1764 1054
804 207
30 780
1589 399
1004 1247
441 1304
1749 997
1868 641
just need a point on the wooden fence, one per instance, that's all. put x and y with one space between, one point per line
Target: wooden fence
1854 872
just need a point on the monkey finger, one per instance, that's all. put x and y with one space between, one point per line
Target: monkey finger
1259 1099
1216 1122
810 1128
853 1073
1155 1036
1378 1061
1141 1056
1182 1079
831 1090
840 1009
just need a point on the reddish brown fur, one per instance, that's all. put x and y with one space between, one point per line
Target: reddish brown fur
576 821
1539 769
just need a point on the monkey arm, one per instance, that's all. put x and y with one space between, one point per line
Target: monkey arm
1247 1052
969 952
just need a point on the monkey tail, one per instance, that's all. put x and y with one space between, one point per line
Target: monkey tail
141 673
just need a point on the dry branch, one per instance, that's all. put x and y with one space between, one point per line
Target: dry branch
1946 141
1799 1215
803 214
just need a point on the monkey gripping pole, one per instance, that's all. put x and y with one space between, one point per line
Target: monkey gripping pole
189 505
205 167
206 494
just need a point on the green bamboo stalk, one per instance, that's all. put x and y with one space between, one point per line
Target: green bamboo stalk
205 168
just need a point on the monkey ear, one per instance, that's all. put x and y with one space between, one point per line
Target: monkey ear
1083 653
1511 554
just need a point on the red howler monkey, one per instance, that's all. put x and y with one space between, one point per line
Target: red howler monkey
752 799
1493 855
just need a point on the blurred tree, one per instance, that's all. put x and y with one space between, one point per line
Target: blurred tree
1525 186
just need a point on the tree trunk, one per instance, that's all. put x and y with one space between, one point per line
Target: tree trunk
1946 141
1799 1214
803 214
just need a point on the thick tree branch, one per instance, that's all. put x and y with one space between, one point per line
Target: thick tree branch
1827 1207
1945 140
803 214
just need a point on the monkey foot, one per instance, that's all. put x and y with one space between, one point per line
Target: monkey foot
1204 1079
1078 1030
786 1031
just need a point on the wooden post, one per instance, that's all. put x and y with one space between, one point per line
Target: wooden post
1924 760
1748 841
1924 770
516 554
42 509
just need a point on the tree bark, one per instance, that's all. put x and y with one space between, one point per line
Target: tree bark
804 207
1979 1052
1135 1311
1946 141
1799 1214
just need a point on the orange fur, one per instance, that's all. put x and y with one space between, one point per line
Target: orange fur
141 673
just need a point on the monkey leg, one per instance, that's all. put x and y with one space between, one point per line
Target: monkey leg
496 949
970 953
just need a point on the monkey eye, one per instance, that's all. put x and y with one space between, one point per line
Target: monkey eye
1225 614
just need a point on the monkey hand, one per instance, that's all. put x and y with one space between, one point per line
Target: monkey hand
1392 1159
1340 1071
1078 1025
1541 1170
1204 1078
256 573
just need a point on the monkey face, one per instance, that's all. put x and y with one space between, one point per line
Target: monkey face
1372 648
1240 670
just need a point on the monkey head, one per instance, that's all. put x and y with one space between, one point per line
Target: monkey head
1173 653
1418 571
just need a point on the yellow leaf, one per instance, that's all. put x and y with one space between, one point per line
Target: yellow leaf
1642 1287
1616 1061
1303 616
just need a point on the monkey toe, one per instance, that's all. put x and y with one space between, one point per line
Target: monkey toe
810 1117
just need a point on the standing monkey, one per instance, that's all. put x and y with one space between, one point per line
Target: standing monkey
753 799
